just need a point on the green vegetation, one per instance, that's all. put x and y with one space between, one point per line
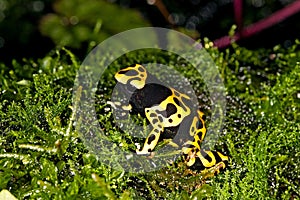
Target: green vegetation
34 27
90 23
41 156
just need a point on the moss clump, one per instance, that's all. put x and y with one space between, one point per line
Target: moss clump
41 156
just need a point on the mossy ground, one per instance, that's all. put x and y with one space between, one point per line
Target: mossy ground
41 156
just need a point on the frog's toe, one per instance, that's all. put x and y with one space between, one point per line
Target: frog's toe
144 151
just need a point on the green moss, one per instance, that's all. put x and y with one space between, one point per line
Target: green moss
41 156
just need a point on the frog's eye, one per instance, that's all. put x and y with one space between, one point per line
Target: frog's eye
134 75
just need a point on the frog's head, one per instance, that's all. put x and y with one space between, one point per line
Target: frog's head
134 75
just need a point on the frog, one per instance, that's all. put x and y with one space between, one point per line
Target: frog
167 110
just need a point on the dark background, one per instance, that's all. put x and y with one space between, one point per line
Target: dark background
21 23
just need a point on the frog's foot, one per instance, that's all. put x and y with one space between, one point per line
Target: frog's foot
144 152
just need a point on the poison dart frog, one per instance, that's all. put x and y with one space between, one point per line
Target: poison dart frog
167 110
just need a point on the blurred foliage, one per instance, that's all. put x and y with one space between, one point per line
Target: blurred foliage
31 28
80 22
213 18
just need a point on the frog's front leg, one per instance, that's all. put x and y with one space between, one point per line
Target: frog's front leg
151 141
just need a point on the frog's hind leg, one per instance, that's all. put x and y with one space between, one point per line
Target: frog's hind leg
212 161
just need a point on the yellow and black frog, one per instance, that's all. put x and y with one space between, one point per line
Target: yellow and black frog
168 111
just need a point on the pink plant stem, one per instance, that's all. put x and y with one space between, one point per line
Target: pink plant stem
238 13
260 25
